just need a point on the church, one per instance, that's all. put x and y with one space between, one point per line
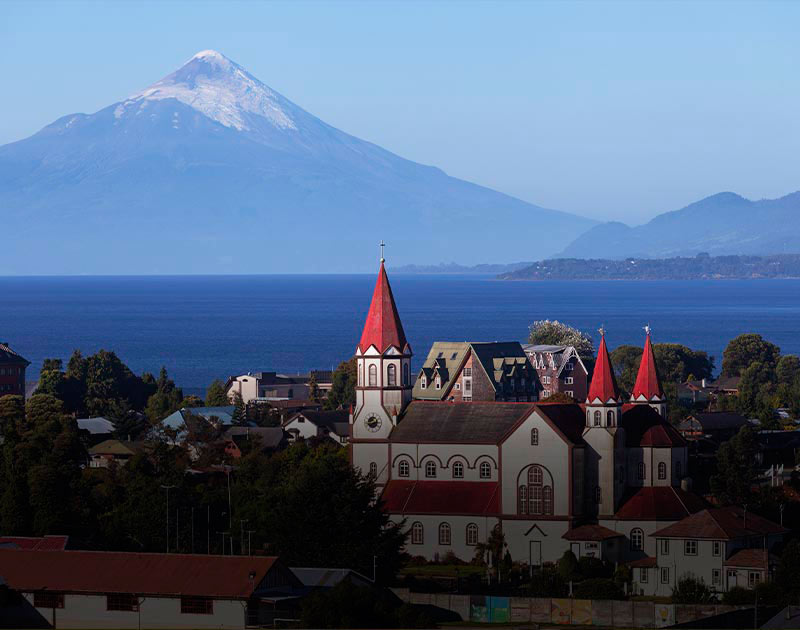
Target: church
596 478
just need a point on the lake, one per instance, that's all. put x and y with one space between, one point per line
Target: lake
207 327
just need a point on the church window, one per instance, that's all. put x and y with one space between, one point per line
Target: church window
641 471
361 376
485 470
444 534
472 534
637 539
430 469
535 499
610 419
534 437
417 533
547 499
406 375
373 469
373 375
598 417
403 469
523 500
535 476
662 470
391 375
458 470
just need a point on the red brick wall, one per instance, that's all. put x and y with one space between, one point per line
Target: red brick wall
12 380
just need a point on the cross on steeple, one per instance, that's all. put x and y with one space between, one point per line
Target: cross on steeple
602 330
382 246
647 329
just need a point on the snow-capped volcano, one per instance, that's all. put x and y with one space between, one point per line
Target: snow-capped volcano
218 88
209 170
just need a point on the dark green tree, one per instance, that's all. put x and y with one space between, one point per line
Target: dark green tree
736 469
555 333
167 399
625 360
216 395
51 378
239 410
755 389
313 389
746 349
788 369
343 388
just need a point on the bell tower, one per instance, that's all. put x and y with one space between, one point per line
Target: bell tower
648 390
605 436
383 386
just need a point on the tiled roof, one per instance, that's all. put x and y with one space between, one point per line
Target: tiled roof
659 503
648 385
749 559
47 543
270 437
604 383
568 418
720 420
9 357
645 427
591 533
726 523
457 422
442 497
643 563
139 573
383 328
444 359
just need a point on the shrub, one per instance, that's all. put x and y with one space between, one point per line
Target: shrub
568 567
594 568
547 582
691 590
598 588
738 596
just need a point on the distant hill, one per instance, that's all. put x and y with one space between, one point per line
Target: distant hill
211 171
698 267
461 269
725 223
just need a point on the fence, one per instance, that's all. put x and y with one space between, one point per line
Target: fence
584 612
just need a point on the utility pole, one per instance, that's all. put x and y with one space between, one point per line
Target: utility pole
167 488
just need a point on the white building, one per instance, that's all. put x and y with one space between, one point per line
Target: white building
539 471
305 425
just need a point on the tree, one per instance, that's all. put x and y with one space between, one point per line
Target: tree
787 574
313 389
561 397
239 410
625 360
12 413
788 369
51 378
166 399
691 590
675 364
567 566
746 349
216 396
736 469
343 388
555 333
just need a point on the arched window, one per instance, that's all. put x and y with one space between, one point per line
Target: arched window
417 533
662 470
610 418
391 375
534 437
598 417
641 471
403 469
534 476
373 469
472 534
637 539
458 470
373 375
522 508
485 470
598 495
405 374
444 534
430 468
547 500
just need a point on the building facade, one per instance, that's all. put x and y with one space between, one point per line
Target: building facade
559 370
12 371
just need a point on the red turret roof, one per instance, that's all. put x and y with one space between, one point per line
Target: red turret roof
648 385
383 328
604 385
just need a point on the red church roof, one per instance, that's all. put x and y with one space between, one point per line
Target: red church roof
383 328
604 385
648 385
442 497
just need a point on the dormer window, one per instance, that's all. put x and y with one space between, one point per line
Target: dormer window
438 382
423 383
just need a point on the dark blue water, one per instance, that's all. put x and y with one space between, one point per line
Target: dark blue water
207 327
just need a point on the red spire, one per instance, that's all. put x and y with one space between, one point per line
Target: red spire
383 328
648 384
604 385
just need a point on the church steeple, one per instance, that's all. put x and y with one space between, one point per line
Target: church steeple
604 385
383 328
648 390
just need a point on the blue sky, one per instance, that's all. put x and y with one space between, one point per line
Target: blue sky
611 110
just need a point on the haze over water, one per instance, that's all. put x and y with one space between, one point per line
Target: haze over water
207 327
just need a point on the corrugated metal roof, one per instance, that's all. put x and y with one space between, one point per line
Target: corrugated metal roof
95 426
224 577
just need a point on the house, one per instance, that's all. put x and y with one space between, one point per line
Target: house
725 547
470 371
267 438
718 426
101 455
220 416
559 369
329 424
454 470
704 390
95 430
12 371
269 386
100 589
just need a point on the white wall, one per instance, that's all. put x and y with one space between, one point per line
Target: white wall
430 546
444 456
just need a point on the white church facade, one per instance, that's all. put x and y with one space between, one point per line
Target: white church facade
596 478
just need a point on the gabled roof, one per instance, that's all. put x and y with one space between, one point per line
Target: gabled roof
9 357
114 447
155 574
335 421
726 523
269 437
561 355
604 383
177 419
719 420
659 503
595 533
749 559
383 328
47 543
648 562
644 426
567 418
445 359
648 384
442 497
499 358
458 422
